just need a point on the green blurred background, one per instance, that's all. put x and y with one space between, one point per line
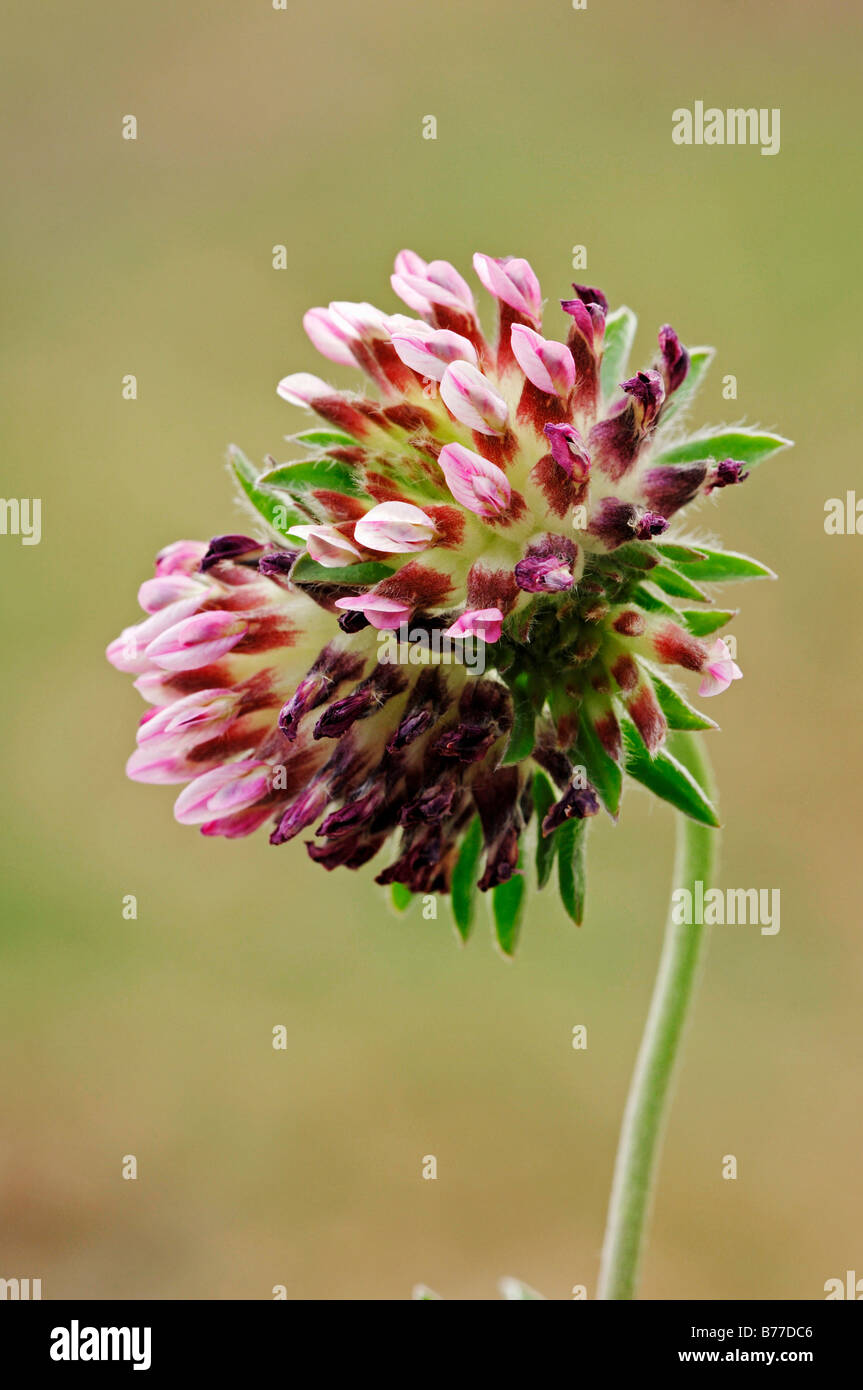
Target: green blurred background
153 1037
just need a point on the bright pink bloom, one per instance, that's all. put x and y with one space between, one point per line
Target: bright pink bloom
477 622
181 557
382 613
720 671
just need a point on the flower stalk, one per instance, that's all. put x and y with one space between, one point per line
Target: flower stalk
650 1091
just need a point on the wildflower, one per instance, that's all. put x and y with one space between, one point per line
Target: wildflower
519 490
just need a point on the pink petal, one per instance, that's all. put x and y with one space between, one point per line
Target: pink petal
155 594
429 351
331 338
302 389
721 670
396 528
327 546
480 486
437 283
182 557
409 263
197 641
231 787
129 651
382 613
187 715
512 281
547 364
472 400
477 622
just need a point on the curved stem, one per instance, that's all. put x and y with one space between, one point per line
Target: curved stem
649 1093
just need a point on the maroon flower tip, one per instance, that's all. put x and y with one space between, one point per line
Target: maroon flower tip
726 474
576 802
675 358
353 622
588 295
569 451
277 564
240 549
647 389
649 524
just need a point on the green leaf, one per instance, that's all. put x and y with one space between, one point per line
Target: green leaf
667 778
543 800
515 1290
507 906
602 770
702 621
652 603
677 710
620 329
308 571
637 555
271 507
571 877
325 439
678 554
671 581
463 889
401 896
700 359
521 739
312 475
719 565
746 446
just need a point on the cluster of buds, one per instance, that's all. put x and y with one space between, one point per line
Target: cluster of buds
521 491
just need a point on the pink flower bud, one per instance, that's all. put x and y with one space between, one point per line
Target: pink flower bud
477 622
548 365
189 716
155 594
303 389
409 263
231 787
513 281
423 286
720 671
466 393
183 557
362 319
330 336
196 641
382 613
395 527
429 351
480 486
129 651
327 546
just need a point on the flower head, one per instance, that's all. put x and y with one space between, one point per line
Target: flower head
520 491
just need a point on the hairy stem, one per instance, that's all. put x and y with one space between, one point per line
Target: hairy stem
650 1089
